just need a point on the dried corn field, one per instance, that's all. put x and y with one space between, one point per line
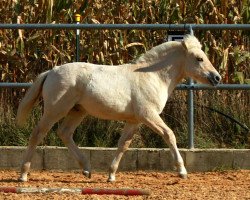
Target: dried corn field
26 53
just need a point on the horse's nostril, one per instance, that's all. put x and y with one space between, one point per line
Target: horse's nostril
217 78
214 78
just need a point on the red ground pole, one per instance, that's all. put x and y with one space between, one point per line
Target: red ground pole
8 189
116 191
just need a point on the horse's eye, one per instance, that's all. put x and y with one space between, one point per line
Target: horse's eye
199 59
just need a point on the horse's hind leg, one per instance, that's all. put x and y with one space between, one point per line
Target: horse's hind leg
39 132
123 145
65 132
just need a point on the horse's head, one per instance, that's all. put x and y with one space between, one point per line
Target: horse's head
197 65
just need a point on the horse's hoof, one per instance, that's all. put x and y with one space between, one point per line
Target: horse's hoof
111 179
22 179
184 176
87 174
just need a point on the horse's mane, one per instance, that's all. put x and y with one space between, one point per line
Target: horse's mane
192 42
161 50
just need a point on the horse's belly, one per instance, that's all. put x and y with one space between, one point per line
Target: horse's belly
109 113
112 116
108 108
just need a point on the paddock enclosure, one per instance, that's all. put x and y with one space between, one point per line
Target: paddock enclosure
219 184
162 185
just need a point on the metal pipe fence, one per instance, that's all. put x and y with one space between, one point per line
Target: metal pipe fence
190 87
179 87
130 26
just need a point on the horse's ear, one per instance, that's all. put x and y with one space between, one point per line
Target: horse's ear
184 45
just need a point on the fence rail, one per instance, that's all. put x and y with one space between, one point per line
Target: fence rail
187 27
129 26
179 87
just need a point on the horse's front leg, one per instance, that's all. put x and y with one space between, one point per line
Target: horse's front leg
155 122
123 145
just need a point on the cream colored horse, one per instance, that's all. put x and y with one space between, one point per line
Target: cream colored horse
135 93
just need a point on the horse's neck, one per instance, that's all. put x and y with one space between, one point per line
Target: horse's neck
173 70
169 68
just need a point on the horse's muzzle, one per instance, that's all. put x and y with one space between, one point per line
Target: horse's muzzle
214 78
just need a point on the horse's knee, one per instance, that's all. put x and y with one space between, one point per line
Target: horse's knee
124 145
125 141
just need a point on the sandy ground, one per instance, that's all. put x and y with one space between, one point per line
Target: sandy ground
163 185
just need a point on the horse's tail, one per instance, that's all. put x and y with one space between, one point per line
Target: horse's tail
30 98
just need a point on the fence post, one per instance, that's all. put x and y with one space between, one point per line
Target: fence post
77 20
190 116
190 108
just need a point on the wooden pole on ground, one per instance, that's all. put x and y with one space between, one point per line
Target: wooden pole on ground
84 191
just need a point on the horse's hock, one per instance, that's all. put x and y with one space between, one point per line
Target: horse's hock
58 158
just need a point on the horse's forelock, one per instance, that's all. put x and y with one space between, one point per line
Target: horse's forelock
192 42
